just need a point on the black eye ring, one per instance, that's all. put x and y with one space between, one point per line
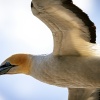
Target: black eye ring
8 64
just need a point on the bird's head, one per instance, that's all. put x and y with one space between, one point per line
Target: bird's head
18 63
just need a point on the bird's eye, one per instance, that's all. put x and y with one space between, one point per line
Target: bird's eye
7 64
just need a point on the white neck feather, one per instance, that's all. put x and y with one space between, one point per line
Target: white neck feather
67 71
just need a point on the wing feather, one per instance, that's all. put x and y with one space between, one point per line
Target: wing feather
84 17
73 32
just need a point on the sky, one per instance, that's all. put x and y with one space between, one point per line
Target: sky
21 32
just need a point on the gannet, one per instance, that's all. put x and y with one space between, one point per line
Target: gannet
75 60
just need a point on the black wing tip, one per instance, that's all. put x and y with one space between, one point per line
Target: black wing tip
31 5
68 4
92 30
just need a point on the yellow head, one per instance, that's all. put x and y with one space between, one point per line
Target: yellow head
18 63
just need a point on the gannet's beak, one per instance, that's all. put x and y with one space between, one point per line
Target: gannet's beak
5 68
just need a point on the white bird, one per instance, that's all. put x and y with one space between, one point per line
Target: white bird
75 60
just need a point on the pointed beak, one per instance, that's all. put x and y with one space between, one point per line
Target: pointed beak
5 68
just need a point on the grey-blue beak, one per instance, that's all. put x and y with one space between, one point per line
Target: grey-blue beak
5 68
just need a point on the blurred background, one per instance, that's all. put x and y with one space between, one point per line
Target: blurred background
21 32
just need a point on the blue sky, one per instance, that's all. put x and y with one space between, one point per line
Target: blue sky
21 32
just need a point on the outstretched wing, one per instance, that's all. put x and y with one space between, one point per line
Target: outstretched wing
73 32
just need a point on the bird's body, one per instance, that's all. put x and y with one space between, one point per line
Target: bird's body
67 71
75 60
